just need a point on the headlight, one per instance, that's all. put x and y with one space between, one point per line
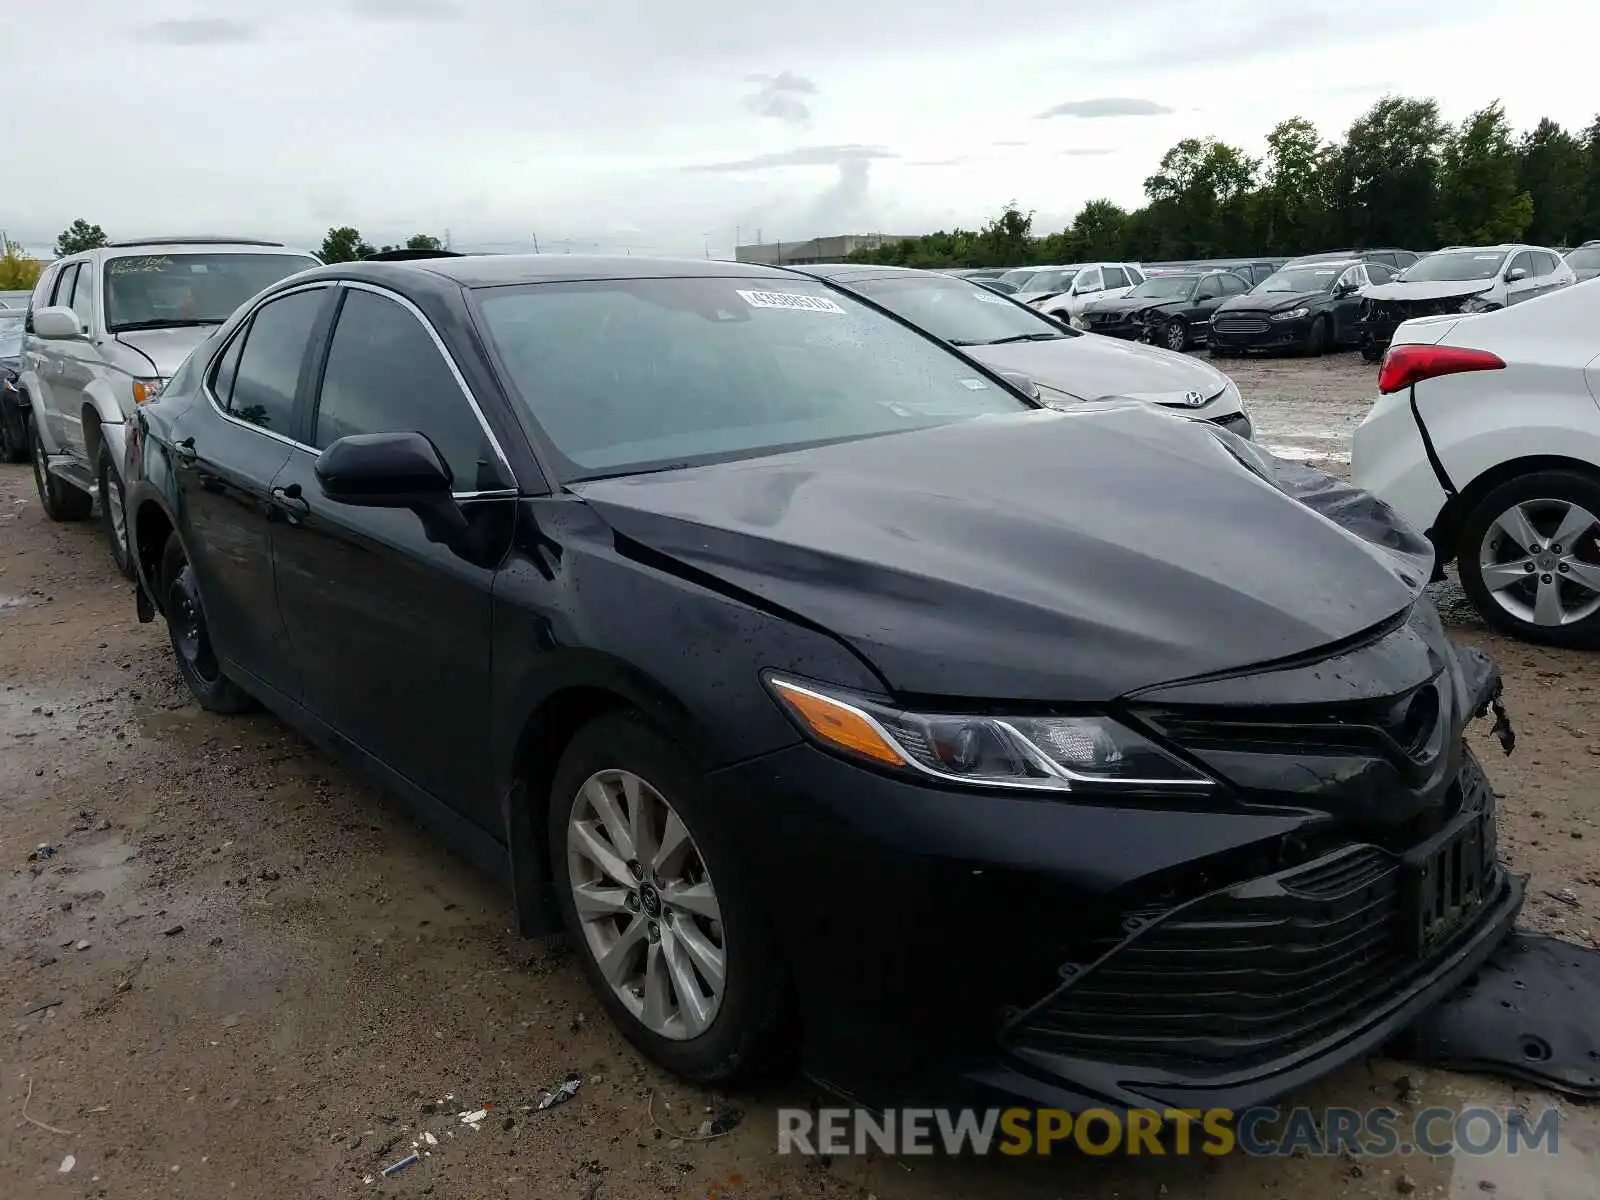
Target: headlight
146 390
1049 754
1294 314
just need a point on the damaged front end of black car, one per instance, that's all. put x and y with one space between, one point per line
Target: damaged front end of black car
1150 810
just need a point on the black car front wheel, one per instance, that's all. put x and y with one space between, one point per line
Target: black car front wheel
1316 337
13 433
1529 558
1176 335
191 636
661 907
114 514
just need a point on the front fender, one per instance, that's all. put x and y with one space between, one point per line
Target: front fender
104 423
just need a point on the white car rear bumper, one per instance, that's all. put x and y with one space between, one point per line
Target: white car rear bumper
1388 459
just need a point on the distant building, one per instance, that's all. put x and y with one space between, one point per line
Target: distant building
813 250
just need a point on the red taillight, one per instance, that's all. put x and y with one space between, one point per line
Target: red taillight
1405 365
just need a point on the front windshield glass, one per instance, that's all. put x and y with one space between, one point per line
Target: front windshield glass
1163 287
10 335
643 374
1585 258
965 314
1050 281
152 291
1301 279
1455 266
1018 276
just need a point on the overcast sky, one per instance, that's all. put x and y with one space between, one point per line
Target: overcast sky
669 128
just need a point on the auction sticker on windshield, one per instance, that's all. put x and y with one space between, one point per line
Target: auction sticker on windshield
790 300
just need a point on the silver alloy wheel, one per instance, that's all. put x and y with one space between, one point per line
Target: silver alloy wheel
111 497
1177 336
1540 560
646 903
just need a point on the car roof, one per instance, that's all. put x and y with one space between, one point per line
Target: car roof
1316 260
504 270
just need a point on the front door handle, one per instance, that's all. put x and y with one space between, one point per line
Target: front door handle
291 501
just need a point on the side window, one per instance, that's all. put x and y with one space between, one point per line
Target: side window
83 296
1524 262
1379 273
1548 263
1232 285
1380 258
40 297
1210 288
1089 281
268 371
1115 278
227 368
63 289
386 375
1135 274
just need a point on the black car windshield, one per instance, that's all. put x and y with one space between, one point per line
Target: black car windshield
1585 258
966 314
152 291
1018 276
10 335
1163 287
1455 266
1301 279
640 374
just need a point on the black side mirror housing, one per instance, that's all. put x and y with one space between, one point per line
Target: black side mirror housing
383 470
393 470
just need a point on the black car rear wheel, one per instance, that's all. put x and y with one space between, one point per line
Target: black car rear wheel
191 636
664 916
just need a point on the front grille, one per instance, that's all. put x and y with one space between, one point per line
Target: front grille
1239 325
1255 971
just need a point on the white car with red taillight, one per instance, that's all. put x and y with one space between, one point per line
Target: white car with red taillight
1486 436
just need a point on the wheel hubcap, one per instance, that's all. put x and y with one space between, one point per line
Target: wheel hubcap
1175 337
1541 562
646 903
112 499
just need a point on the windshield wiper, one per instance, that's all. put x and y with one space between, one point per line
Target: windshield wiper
1026 337
167 323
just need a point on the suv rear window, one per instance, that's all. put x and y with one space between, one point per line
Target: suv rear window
156 291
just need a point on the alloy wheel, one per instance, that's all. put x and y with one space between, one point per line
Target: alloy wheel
1177 336
647 906
111 498
1540 561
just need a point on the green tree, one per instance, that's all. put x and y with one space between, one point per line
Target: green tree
79 236
343 244
1480 200
1006 240
1097 231
1290 210
1589 211
1198 200
423 241
1382 177
18 272
1551 167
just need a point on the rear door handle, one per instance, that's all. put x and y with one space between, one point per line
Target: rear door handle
291 500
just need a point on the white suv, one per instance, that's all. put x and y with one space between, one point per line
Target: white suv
1090 282
1487 438
104 331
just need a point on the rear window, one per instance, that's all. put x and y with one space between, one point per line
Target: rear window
1586 258
154 291
641 374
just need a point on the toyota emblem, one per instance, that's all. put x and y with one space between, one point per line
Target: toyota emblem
1193 399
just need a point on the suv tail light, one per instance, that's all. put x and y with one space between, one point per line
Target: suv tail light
1407 364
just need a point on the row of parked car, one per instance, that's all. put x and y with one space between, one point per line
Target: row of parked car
668 589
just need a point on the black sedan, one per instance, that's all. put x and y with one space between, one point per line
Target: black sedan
830 693
1171 310
1309 308
13 404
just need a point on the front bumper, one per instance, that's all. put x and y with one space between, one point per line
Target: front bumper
975 950
1238 423
1126 329
1250 331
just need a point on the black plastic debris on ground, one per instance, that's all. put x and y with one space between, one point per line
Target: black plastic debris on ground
1529 1013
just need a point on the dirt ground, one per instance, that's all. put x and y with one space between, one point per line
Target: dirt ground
241 972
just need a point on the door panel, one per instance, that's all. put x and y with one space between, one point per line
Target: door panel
391 631
229 451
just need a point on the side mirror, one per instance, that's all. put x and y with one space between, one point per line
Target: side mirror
1514 274
393 470
57 324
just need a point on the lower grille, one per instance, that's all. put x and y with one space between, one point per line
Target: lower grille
1258 970
1238 325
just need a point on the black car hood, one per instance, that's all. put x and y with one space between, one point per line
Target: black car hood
1124 304
1269 301
1048 556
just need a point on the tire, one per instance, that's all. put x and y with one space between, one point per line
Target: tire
114 514
748 1025
60 500
1371 351
191 639
1316 337
1220 352
1506 589
1175 335
13 435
